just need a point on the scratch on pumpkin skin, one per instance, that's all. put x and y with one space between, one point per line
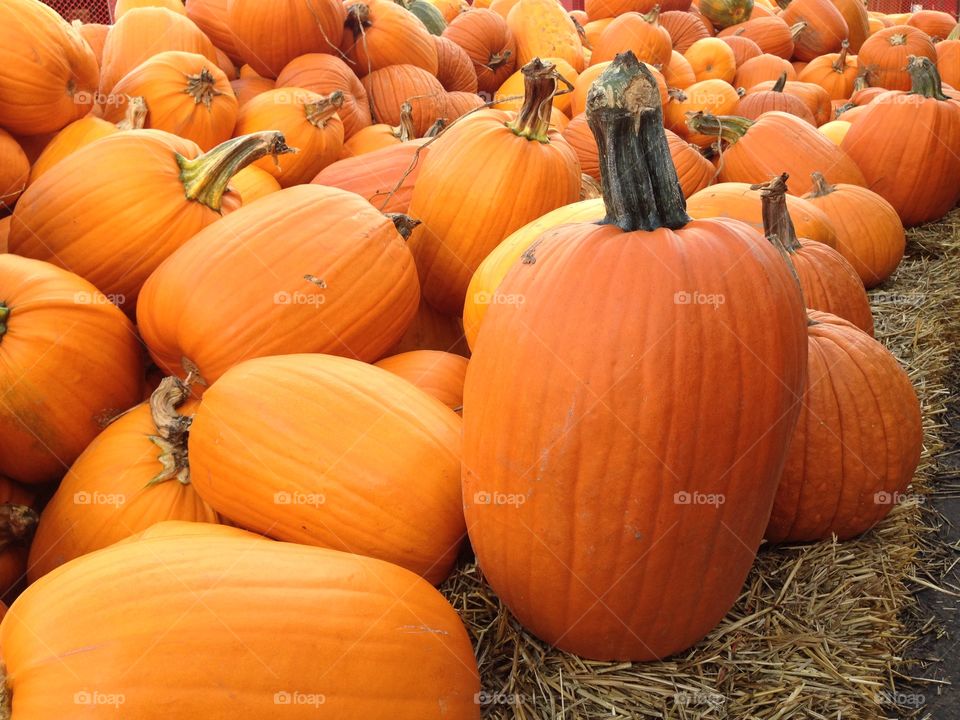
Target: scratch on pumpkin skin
422 628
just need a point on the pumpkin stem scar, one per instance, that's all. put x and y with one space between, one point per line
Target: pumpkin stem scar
202 88
172 430
640 187
403 223
205 178
539 86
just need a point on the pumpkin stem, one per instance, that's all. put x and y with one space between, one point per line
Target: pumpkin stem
652 17
795 30
539 87
4 315
438 125
403 223
639 181
135 116
172 430
862 81
840 64
358 19
729 128
780 84
202 88
777 222
820 186
406 130
955 33
499 59
205 178
924 78
898 39
319 112
17 523
838 115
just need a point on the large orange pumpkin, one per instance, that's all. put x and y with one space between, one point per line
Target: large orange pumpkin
271 34
763 68
340 281
948 58
857 443
212 17
641 34
390 87
437 373
115 228
487 39
884 55
905 145
757 102
70 360
179 604
854 14
596 463
824 28
134 474
477 158
310 483
326 74
813 96
142 33
186 95
50 74
14 170
380 33
95 34
935 23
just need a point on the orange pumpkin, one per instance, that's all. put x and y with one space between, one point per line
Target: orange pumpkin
743 49
454 67
134 474
813 96
73 360
95 34
384 177
580 137
344 409
168 589
49 76
375 137
358 304
14 170
597 9
884 55
835 72
684 29
488 41
711 96
641 34
854 14
935 23
142 33
543 29
453 238
4 233
379 33
325 74
458 104
249 87
390 87
252 183
440 374
948 58
185 94
270 35
755 150
757 102
431 330
308 121
678 73
771 34
823 28
763 68
212 17
712 59
161 191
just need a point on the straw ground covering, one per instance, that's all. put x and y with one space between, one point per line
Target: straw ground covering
820 630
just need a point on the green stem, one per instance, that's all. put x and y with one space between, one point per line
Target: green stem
729 128
924 78
320 111
640 186
652 17
205 178
955 33
539 87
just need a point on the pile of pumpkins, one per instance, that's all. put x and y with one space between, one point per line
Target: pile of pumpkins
249 246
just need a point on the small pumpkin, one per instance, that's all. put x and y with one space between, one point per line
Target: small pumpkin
743 48
543 29
384 177
763 68
754 104
74 360
712 59
454 67
834 72
884 55
390 87
439 374
379 33
325 74
488 41
14 170
639 33
684 29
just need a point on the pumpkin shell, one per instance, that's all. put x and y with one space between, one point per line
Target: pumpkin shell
455 68
439 374
392 86
74 136
488 41
14 170
390 35
212 18
885 54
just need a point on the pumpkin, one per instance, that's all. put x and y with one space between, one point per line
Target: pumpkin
18 521
389 88
641 34
379 33
142 33
95 34
771 34
948 58
776 142
902 144
376 137
835 130
598 9
134 474
439 374
343 410
212 17
124 6
763 68
308 120
175 595
358 304
248 88
114 228
829 283
384 177
4 233
884 55
935 23
427 13
84 131
49 74
869 232
252 183
270 35
543 29
857 443
712 59
476 158
743 49
724 13
684 29
458 104
580 137
73 359
431 330
450 9
854 14
712 96
813 96
756 103
185 95
835 72
609 483
739 201
455 68
488 41
678 73
14 170
325 74
824 28
695 11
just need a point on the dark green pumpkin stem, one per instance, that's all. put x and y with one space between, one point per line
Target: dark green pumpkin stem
925 78
172 430
17 524
820 186
205 178
640 186
4 316
780 84
840 64
320 111
539 87
729 128
202 87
